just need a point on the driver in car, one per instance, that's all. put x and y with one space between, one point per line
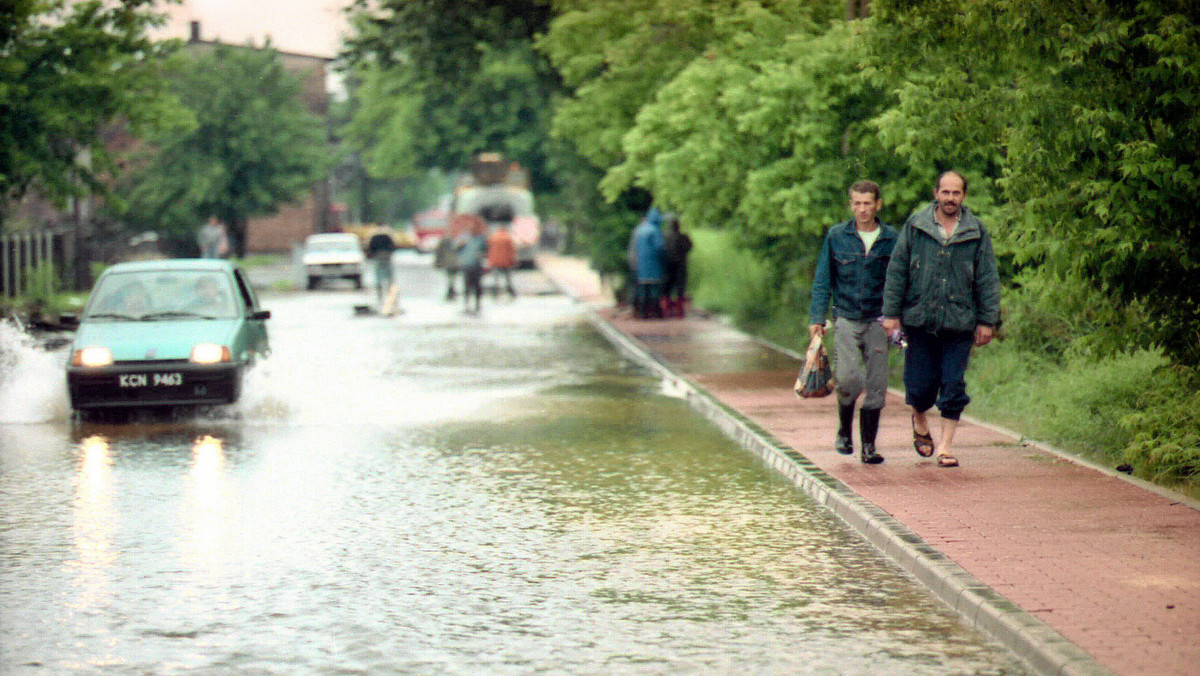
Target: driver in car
208 299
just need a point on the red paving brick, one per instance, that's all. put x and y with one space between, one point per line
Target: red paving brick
1111 566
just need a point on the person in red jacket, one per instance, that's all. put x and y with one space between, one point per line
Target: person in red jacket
502 258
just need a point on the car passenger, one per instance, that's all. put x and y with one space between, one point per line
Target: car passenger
208 299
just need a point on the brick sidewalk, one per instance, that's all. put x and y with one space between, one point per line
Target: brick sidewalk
1107 564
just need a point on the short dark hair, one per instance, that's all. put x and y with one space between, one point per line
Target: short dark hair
938 184
867 186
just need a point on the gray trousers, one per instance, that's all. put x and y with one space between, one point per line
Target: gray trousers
860 362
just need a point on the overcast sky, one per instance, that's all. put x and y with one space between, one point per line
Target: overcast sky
311 27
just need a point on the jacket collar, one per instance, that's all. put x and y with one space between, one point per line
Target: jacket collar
885 231
969 227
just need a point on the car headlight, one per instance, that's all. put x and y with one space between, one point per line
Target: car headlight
92 356
210 353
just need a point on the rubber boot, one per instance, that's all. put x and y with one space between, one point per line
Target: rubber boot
868 421
843 444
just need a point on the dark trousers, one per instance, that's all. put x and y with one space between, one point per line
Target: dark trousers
473 287
646 300
935 367
675 287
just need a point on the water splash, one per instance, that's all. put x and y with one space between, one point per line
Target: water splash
33 385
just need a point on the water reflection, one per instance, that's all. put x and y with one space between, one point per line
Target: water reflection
206 511
95 523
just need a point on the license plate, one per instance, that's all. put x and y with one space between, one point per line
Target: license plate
169 379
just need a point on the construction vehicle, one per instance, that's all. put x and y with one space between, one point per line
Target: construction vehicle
498 192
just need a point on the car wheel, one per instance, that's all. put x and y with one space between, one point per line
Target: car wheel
312 282
357 279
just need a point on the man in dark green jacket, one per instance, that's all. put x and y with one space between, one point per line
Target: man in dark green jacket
943 289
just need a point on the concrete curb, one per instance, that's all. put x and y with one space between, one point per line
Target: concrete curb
1042 648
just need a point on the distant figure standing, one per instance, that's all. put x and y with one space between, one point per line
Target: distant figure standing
502 258
649 265
379 249
677 246
471 258
213 239
445 256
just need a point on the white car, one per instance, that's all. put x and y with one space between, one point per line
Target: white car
333 255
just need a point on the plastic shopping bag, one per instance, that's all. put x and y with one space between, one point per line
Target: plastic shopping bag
816 377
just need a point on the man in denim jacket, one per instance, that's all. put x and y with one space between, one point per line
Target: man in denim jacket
852 270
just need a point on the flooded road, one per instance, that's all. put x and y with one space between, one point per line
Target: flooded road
434 493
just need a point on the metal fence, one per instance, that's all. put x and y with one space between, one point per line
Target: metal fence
22 253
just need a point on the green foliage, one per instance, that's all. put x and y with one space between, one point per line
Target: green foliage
249 147
613 57
68 69
1165 428
436 81
1056 317
726 278
43 285
1086 115
1063 402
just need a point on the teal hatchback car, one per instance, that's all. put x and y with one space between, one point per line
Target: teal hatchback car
166 333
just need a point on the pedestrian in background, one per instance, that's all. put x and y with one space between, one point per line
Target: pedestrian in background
471 258
380 247
213 239
943 288
677 245
649 265
445 255
502 258
852 270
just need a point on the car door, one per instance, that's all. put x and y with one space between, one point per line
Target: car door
255 317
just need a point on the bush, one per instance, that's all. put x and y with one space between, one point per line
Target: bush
1164 427
1073 405
42 285
724 278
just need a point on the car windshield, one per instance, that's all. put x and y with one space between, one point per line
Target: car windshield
339 244
151 295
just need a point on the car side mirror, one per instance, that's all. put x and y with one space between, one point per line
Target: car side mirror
260 314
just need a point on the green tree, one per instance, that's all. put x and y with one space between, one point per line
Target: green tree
614 56
437 81
68 69
250 147
1085 114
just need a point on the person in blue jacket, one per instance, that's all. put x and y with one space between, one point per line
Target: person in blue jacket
648 254
852 270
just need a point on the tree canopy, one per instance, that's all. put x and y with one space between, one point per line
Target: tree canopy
68 69
440 80
249 147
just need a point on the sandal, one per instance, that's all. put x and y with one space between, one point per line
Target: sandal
946 460
923 443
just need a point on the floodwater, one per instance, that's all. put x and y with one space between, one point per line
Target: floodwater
433 493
